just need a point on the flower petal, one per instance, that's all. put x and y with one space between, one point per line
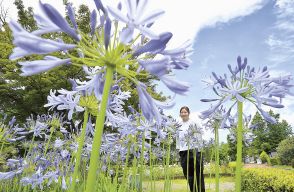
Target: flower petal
147 32
71 15
126 35
155 45
58 20
100 6
93 21
175 85
266 116
117 14
107 31
38 66
153 16
155 67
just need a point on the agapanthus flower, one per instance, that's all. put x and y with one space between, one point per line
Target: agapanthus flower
218 119
51 176
35 180
10 174
106 46
58 143
246 84
135 19
67 100
193 137
39 129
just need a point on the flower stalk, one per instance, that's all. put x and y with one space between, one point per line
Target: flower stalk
95 153
80 148
216 158
239 147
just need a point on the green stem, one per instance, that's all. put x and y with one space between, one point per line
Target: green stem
91 180
31 145
125 172
216 159
167 184
80 147
194 172
116 173
187 176
2 145
152 181
47 145
142 162
239 147
210 164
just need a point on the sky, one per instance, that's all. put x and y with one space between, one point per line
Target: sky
262 31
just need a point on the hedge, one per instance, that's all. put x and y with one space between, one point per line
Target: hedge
267 179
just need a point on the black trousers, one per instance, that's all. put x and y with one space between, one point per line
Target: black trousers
199 185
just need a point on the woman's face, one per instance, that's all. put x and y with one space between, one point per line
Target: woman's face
184 114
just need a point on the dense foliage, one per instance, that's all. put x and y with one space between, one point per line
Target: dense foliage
267 179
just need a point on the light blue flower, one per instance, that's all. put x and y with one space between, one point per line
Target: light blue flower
174 85
28 43
58 143
56 18
135 18
249 85
66 101
38 66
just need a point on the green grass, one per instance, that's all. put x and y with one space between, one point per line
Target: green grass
180 185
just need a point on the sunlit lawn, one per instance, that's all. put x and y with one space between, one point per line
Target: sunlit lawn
180 185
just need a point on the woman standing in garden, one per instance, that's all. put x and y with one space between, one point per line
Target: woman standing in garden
189 147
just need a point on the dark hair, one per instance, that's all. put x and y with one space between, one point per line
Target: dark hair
186 108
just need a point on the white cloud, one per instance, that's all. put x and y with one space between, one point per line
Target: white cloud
281 41
183 18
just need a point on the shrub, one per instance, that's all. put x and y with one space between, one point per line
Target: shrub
292 162
275 161
286 150
265 158
232 167
267 179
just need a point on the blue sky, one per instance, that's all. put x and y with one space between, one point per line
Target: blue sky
248 36
261 30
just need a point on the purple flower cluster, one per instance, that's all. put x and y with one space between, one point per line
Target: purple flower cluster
113 42
247 84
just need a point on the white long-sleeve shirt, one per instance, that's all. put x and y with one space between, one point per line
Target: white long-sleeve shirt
181 140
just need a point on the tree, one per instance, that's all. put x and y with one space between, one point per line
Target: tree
224 153
232 143
208 150
286 150
267 136
25 16
22 96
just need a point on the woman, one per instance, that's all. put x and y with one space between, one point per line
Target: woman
190 151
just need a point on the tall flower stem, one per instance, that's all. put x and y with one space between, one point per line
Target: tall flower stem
152 180
167 183
216 158
142 162
239 147
91 180
49 139
187 176
80 147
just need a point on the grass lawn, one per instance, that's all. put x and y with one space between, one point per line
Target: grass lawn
180 185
